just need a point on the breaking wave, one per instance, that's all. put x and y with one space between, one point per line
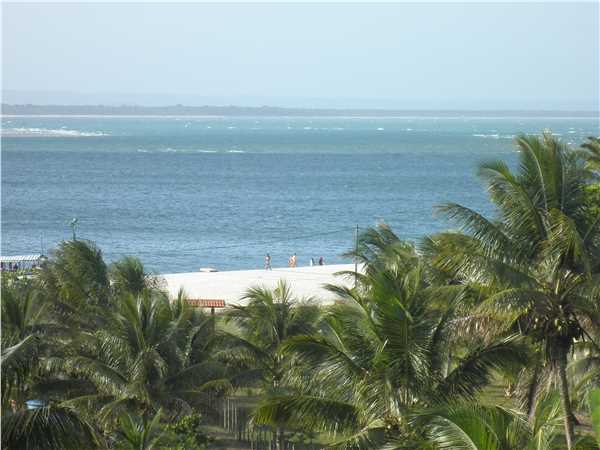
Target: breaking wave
49 132
494 136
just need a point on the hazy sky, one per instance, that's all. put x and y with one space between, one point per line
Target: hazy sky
451 55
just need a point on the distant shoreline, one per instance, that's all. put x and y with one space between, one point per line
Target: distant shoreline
217 112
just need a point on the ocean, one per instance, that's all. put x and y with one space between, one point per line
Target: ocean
183 193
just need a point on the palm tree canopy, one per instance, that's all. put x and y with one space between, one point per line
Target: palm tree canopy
47 428
539 258
129 275
76 272
382 353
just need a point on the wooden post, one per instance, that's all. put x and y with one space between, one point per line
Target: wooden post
212 315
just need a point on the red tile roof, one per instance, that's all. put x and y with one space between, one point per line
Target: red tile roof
206 303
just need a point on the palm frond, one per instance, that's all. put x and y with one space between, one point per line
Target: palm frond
47 428
475 370
308 412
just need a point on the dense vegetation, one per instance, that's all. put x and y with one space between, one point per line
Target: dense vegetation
483 338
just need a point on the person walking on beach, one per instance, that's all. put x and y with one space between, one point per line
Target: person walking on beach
312 262
293 260
321 261
268 262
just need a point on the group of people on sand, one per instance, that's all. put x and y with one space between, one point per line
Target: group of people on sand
11 267
292 261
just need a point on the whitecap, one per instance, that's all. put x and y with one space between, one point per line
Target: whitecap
493 136
236 151
380 129
49 132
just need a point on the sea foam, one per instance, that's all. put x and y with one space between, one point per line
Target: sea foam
49 132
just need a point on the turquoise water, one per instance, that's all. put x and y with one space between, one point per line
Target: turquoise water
184 193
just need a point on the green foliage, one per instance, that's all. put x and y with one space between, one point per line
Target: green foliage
139 433
594 401
97 354
593 199
382 357
48 428
539 259
185 434
591 153
77 273
128 275
269 318
147 356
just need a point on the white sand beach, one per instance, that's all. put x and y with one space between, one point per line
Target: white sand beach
231 285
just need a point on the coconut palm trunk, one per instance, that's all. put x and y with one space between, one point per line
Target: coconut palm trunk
565 398
532 392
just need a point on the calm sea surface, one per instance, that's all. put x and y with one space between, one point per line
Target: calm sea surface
185 193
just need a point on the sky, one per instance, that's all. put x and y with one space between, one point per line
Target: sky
424 56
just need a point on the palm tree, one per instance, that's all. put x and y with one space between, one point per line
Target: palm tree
496 428
149 356
88 353
592 153
268 319
540 258
137 433
33 414
76 273
381 359
49 427
263 324
24 325
128 275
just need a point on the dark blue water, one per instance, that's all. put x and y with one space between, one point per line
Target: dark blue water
184 193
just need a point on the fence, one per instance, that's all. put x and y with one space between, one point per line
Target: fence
234 415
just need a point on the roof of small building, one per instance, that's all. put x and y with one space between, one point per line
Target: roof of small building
206 303
20 258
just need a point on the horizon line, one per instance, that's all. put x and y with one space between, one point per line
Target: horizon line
233 108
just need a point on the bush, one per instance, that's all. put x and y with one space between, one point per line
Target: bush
185 434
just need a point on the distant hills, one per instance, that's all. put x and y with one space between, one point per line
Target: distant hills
264 111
